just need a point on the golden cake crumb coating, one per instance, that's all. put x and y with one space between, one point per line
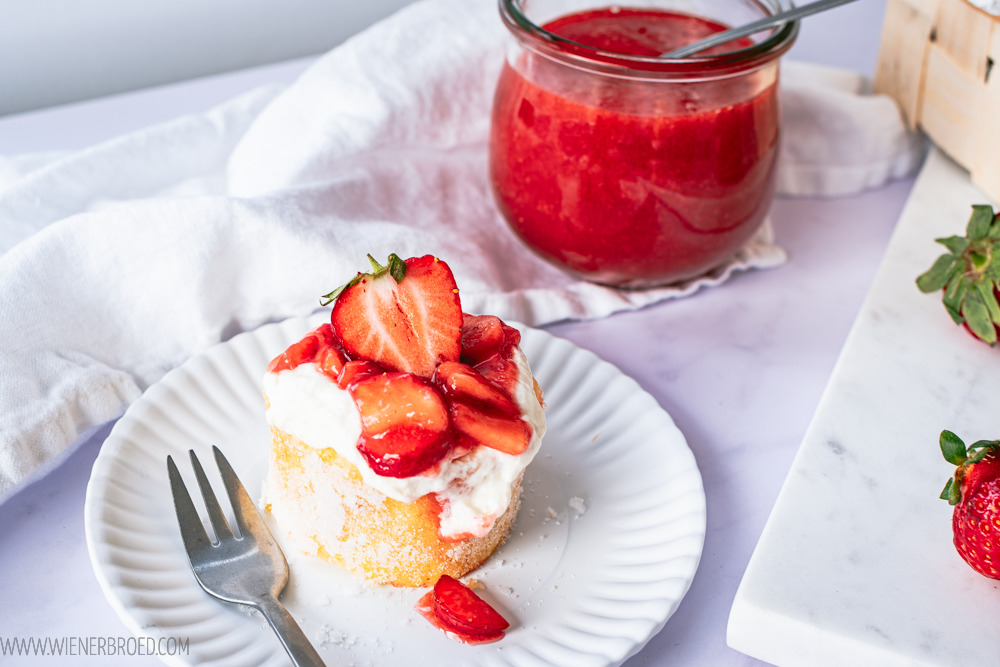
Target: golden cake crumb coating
321 502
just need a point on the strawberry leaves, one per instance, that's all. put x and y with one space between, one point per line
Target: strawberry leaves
396 268
956 453
969 275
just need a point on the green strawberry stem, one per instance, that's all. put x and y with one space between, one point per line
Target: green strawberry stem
956 453
395 267
969 274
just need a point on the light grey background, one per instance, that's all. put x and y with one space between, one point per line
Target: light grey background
58 51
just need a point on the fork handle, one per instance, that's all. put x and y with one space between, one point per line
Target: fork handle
300 650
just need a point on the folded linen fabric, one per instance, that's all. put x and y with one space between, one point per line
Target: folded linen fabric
120 261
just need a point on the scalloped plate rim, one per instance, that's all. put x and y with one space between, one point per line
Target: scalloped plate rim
115 453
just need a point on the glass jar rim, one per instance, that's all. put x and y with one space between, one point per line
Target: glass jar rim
695 66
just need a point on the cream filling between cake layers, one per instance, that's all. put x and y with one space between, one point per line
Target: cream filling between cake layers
476 487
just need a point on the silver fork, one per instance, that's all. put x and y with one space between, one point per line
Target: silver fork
248 569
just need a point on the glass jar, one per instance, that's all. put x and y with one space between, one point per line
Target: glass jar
624 168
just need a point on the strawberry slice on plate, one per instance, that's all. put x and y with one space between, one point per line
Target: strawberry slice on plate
459 608
455 608
405 316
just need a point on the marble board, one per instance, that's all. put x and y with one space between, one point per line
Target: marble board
855 565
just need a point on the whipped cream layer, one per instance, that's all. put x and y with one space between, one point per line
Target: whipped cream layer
476 487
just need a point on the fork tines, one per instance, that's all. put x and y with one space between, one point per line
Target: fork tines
248 519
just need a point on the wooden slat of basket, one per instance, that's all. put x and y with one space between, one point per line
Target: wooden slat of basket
964 32
906 33
949 112
985 167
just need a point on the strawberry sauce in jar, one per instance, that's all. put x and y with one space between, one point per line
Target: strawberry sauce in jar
628 169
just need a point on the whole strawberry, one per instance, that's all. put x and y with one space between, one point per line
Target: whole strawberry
969 274
974 490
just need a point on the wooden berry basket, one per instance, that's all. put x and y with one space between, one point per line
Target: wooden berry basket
940 61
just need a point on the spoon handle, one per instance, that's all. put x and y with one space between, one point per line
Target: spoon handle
753 27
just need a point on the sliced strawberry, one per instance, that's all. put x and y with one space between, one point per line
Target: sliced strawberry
399 399
482 337
500 371
425 607
330 361
357 370
406 316
404 423
486 335
466 614
405 451
510 435
324 333
461 382
298 353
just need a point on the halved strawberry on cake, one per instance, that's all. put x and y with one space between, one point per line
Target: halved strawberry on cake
401 429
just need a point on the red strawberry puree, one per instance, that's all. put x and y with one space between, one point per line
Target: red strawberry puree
625 182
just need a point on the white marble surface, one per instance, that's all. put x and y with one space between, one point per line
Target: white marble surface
856 565
740 368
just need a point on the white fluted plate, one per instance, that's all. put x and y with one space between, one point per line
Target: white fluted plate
582 584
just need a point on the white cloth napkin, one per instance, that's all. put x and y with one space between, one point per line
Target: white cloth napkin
120 261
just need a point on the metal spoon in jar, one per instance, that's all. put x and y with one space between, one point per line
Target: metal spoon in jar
753 27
